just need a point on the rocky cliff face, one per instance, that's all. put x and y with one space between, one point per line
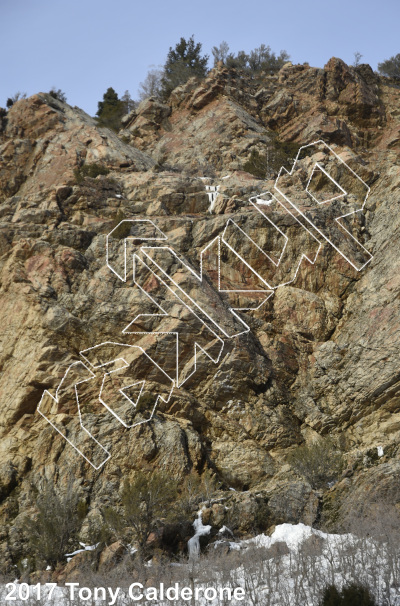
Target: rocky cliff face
316 352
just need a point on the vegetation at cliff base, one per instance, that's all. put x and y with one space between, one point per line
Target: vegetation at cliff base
319 462
53 530
352 595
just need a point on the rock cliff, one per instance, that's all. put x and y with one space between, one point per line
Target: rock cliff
316 352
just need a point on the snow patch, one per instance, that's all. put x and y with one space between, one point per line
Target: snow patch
212 193
200 530
69 556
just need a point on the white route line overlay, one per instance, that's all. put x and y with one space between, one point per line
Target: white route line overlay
337 219
162 237
303 256
321 168
56 399
197 346
93 376
126 365
199 277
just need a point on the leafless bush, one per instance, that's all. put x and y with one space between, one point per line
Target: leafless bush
54 528
319 462
367 555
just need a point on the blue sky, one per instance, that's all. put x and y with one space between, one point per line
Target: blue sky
85 46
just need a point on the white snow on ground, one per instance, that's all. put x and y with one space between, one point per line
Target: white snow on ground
262 202
341 559
199 531
293 536
69 556
294 578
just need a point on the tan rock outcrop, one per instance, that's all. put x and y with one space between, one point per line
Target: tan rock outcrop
320 357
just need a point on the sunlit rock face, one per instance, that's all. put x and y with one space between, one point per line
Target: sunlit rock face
316 352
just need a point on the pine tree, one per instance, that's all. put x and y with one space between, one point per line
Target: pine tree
58 94
390 67
331 597
260 61
352 595
183 62
15 98
110 110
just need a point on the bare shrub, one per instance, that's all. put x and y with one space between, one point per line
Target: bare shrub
319 463
54 529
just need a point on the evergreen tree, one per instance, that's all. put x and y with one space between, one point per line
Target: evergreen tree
58 94
239 61
331 597
110 110
357 595
352 595
15 98
390 67
261 59
183 62
258 61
